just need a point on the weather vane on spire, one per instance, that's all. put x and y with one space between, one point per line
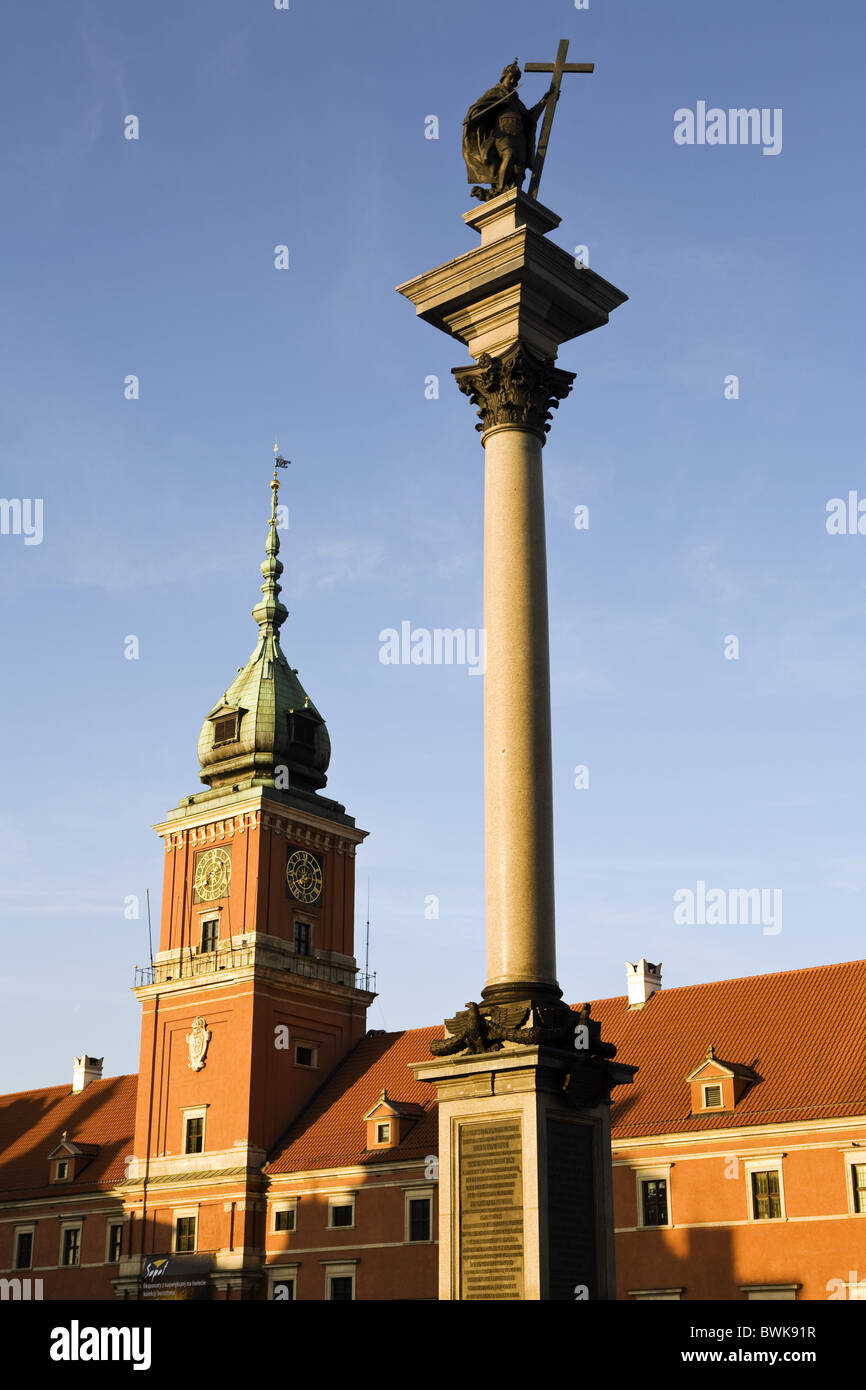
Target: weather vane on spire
279 462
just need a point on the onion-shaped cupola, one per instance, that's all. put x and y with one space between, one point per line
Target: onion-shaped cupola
266 731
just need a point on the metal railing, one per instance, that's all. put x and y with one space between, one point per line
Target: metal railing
191 966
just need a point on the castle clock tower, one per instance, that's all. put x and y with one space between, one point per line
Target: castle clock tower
254 996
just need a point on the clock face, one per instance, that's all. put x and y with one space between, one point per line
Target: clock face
304 876
213 873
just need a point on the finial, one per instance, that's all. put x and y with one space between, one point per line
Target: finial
271 612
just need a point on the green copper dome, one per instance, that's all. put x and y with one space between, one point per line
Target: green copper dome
265 731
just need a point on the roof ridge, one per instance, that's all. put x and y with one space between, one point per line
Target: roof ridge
67 1086
737 980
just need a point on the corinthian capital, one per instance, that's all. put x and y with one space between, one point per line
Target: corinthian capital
519 388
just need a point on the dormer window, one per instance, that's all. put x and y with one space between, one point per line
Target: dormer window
68 1159
225 729
302 731
712 1097
719 1085
389 1121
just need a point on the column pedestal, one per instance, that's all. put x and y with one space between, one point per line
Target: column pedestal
525 1193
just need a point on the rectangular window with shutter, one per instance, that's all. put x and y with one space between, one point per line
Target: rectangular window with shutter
858 1179
766 1195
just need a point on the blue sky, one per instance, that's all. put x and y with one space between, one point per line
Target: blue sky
707 516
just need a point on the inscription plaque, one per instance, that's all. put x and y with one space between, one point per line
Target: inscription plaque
571 1209
490 1225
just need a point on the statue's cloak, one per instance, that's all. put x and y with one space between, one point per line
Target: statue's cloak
479 150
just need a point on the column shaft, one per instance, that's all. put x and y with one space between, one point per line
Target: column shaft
518 797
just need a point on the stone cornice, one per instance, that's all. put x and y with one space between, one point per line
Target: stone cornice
517 284
204 826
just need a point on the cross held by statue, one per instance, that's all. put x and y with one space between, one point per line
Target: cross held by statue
558 67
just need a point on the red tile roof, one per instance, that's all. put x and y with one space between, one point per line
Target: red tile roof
803 1032
331 1132
31 1123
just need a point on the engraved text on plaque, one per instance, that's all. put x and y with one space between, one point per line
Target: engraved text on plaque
490 1248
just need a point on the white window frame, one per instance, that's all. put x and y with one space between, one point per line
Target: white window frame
341 1199
110 1223
314 1048
289 1205
76 1224
661 1172
656 1295
57 1176
386 1125
345 1269
417 1194
179 1214
770 1163
855 1159
283 1274
26 1228
716 1085
195 1112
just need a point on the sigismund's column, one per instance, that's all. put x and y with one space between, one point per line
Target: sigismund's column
523 1081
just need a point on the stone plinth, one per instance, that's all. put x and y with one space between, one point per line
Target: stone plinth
516 286
525 1193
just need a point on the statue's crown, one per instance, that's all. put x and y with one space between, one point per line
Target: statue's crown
512 67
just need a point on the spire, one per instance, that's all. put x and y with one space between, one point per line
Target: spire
270 613
265 730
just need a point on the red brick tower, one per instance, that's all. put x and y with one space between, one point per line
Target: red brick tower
254 995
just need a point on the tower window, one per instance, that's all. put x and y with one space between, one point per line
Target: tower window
302 731
193 1142
184 1235
302 935
210 935
305 1055
225 729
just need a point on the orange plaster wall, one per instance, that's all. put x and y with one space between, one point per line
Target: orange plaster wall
714 1260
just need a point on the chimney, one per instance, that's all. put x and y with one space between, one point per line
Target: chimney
642 980
86 1069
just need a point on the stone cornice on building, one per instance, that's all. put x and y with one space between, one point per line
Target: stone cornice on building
195 823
